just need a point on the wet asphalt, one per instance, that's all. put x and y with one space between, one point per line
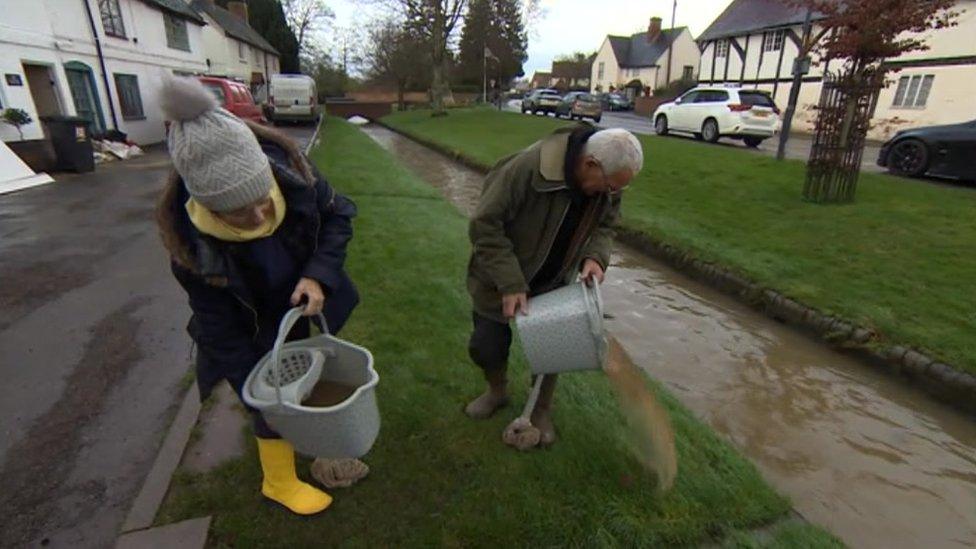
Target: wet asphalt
92 350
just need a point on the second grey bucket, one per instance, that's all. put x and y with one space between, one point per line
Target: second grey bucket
563 331
345 430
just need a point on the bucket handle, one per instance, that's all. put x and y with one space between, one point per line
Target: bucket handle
592 293
284 328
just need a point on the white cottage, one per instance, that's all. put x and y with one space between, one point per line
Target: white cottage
753 43
649 59
98 59
234 49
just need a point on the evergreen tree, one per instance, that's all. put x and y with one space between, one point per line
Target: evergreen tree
497 25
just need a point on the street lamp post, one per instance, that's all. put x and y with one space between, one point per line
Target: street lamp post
674 12
801 66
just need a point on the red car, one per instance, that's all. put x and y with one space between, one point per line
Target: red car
235 97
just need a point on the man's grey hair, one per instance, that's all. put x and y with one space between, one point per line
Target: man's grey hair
616 149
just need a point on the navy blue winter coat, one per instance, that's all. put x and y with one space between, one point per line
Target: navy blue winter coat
231 332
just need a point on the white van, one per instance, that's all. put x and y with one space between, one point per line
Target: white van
293 97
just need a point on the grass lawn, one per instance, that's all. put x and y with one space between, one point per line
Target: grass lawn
899 260
439 479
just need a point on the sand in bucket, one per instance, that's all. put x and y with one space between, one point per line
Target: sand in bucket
328 393
650 425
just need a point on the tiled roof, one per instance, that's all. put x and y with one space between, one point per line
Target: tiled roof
745 16
636 51
177 7
572 69
232 25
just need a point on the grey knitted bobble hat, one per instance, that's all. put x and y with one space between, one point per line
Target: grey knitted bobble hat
214 152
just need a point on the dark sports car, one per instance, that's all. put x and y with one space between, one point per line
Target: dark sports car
947 151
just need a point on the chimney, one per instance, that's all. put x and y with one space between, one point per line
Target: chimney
653 30
240 10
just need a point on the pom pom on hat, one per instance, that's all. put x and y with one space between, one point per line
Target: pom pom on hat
184 99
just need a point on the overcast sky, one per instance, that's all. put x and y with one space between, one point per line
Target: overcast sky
574 25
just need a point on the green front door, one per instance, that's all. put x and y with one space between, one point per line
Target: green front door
85 96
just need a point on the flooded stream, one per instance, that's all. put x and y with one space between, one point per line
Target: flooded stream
873 460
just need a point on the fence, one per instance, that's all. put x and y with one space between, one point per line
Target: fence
844 113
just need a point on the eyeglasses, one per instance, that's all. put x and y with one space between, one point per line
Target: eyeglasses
607 186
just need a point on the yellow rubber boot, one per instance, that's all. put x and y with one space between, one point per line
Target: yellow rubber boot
281 484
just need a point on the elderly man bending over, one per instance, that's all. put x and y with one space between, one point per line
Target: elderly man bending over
544 219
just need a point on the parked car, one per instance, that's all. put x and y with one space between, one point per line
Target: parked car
947 151
235 97
542 100
711 112
616 102
293 97
580 105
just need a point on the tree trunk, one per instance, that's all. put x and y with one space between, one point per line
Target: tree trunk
439 45
437 92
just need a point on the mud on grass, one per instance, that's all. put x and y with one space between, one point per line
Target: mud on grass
439 478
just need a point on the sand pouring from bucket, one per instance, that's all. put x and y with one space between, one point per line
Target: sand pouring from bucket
647 420
564 333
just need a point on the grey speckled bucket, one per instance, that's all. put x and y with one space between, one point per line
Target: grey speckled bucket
347 429
563 331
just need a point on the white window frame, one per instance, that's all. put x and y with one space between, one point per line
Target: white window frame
136 97
913 91
177 35
111 10
722 48
240 50
773 40
599 70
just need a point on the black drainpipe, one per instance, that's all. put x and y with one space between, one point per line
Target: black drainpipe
101 63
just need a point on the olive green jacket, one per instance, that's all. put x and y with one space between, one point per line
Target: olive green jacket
523 203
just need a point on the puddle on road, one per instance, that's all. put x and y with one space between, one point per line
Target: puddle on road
876 462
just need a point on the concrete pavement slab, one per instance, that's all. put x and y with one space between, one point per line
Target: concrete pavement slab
189 534
219 432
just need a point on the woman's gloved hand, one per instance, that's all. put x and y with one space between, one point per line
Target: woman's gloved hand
311 291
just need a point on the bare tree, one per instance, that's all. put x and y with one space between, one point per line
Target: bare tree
347 45
397 54
435 21
307 17
532 13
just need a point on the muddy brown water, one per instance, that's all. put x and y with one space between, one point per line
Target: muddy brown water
328 393
875 461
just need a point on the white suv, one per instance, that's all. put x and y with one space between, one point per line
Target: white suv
711 112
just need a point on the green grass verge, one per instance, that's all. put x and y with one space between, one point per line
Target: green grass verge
439 479
789 535
899 260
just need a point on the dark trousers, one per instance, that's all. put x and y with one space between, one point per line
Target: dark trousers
261 427
489 343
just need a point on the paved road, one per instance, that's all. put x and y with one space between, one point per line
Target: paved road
92 351
797 148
